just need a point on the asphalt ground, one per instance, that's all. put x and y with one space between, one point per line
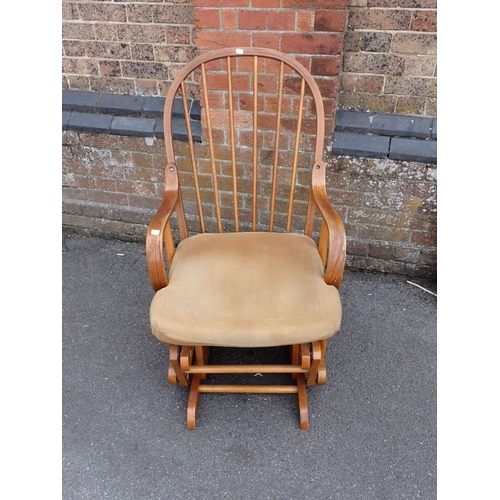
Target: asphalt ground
372 429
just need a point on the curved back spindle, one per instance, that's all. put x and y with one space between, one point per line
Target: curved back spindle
262 130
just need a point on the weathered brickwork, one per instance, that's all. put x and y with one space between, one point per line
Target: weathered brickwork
389 62
312 31
374 56
389 209
129 47
112 185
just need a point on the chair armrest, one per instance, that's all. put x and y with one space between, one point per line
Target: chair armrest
332 236
155 236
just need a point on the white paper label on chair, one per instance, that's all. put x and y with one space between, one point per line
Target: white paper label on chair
239 51
155 232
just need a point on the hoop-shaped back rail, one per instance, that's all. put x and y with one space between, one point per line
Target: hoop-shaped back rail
248 96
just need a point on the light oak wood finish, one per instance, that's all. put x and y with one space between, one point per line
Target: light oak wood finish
191 362
189 365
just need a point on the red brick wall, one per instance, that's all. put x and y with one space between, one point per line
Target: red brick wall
312 31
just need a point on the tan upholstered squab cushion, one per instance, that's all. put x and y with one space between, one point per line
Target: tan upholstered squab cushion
246 290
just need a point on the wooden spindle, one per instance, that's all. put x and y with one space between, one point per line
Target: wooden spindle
232 139
248 389
211 148
192 155
255 149
276 148
296 155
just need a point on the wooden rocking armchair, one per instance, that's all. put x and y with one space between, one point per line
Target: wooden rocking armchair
241 275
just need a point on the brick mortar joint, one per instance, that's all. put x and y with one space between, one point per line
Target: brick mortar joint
369 8
390 31
112 206
390 244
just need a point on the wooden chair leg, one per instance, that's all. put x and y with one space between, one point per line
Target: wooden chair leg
307 367
316 360
322 365
194 397
175 374
201 357
171 375
186 357
303 409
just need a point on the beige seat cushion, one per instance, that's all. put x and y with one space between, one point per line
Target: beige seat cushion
246 290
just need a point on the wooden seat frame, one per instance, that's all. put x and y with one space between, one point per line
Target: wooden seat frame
188 365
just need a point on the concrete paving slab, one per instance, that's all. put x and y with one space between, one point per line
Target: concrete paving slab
373 426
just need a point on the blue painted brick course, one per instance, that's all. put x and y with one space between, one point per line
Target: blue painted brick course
356 133
133 126
370 146
120 104
79 100
403 126
353 121
179 131
196 131
90 122
196 110
434 131
65 119
413 150
366 134
178 108
153 107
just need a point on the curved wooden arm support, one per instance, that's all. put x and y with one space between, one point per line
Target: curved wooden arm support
332 229
155 235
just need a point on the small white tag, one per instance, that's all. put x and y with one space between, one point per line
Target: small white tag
155 232
239 51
